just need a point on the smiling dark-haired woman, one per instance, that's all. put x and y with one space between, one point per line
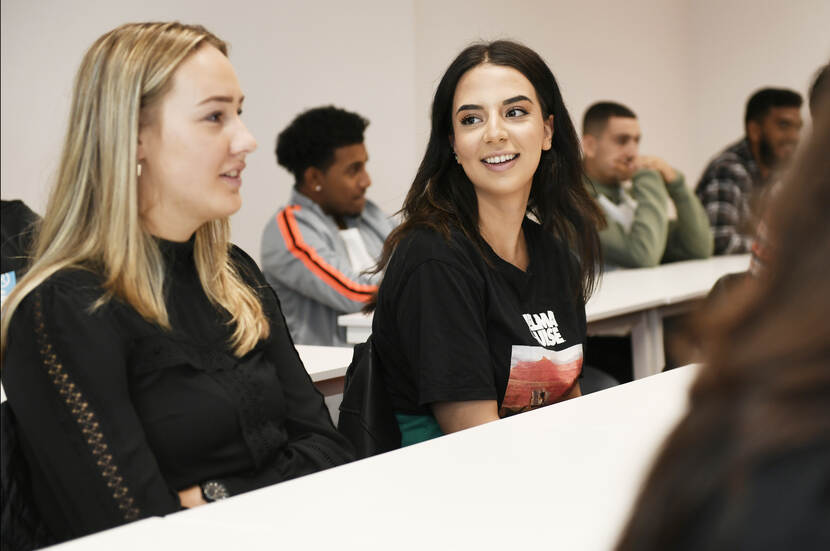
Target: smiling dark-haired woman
481 312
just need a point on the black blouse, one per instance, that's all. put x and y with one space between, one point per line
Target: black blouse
117 414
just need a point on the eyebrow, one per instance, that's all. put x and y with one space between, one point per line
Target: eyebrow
514 99
223 99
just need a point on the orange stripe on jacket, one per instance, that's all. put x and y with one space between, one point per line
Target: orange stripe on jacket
308 256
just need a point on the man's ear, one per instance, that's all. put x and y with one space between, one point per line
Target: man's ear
753 131
313 179
548 143
589 145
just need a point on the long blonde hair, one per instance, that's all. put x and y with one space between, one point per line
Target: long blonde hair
92 217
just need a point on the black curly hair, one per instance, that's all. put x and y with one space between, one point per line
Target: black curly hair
312 138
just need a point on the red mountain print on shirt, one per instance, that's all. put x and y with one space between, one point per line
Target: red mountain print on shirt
539 377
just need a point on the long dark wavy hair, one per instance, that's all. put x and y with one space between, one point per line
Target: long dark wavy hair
442 196
763 395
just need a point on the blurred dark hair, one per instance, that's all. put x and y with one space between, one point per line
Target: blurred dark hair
820 90
312 137
442 197
760 103
597 115
763 396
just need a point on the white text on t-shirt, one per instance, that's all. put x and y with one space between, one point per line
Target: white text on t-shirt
544 328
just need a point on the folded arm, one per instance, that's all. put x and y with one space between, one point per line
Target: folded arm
644 243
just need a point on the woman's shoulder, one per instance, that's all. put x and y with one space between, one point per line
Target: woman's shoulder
246 267
425 254
240 258
69 296
73 283
425 243
250 273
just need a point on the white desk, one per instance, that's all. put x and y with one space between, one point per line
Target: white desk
638 300
634 300
326 365
562 477
156 534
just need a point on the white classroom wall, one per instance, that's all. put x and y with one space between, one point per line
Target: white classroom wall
743 45
685 66
289 56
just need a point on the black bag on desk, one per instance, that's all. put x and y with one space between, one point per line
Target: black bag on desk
366 416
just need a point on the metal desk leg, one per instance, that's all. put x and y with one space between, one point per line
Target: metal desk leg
647 352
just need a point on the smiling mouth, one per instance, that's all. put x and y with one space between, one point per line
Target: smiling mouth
231 174
499 159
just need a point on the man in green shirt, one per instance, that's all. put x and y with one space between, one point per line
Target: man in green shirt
639 232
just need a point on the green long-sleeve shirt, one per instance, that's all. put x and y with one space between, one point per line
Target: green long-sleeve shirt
652 237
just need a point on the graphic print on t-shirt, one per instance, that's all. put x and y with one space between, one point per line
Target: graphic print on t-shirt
544 328
539 377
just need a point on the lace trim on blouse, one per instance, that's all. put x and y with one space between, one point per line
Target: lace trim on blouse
85 418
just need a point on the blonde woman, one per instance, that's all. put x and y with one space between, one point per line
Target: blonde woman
145 359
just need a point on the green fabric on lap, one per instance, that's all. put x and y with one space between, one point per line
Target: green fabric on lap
417 428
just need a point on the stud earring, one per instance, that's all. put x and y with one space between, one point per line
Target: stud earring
138 170
454 154
318 187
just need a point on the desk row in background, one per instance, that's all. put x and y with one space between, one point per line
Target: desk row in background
632 301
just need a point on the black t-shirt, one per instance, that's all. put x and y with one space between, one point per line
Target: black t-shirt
452 325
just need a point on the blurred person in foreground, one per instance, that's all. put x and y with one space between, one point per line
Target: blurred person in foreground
749 465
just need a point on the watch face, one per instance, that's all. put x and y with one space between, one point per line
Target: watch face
213 491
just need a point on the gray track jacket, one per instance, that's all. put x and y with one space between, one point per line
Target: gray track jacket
306 261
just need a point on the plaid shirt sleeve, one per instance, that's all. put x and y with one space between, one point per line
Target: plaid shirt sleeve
724 193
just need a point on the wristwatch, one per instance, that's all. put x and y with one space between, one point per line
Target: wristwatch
213 490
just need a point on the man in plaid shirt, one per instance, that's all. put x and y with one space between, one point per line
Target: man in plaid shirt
730 184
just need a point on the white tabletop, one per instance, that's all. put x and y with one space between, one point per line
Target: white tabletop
156 534
694 279
563 476
325 362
